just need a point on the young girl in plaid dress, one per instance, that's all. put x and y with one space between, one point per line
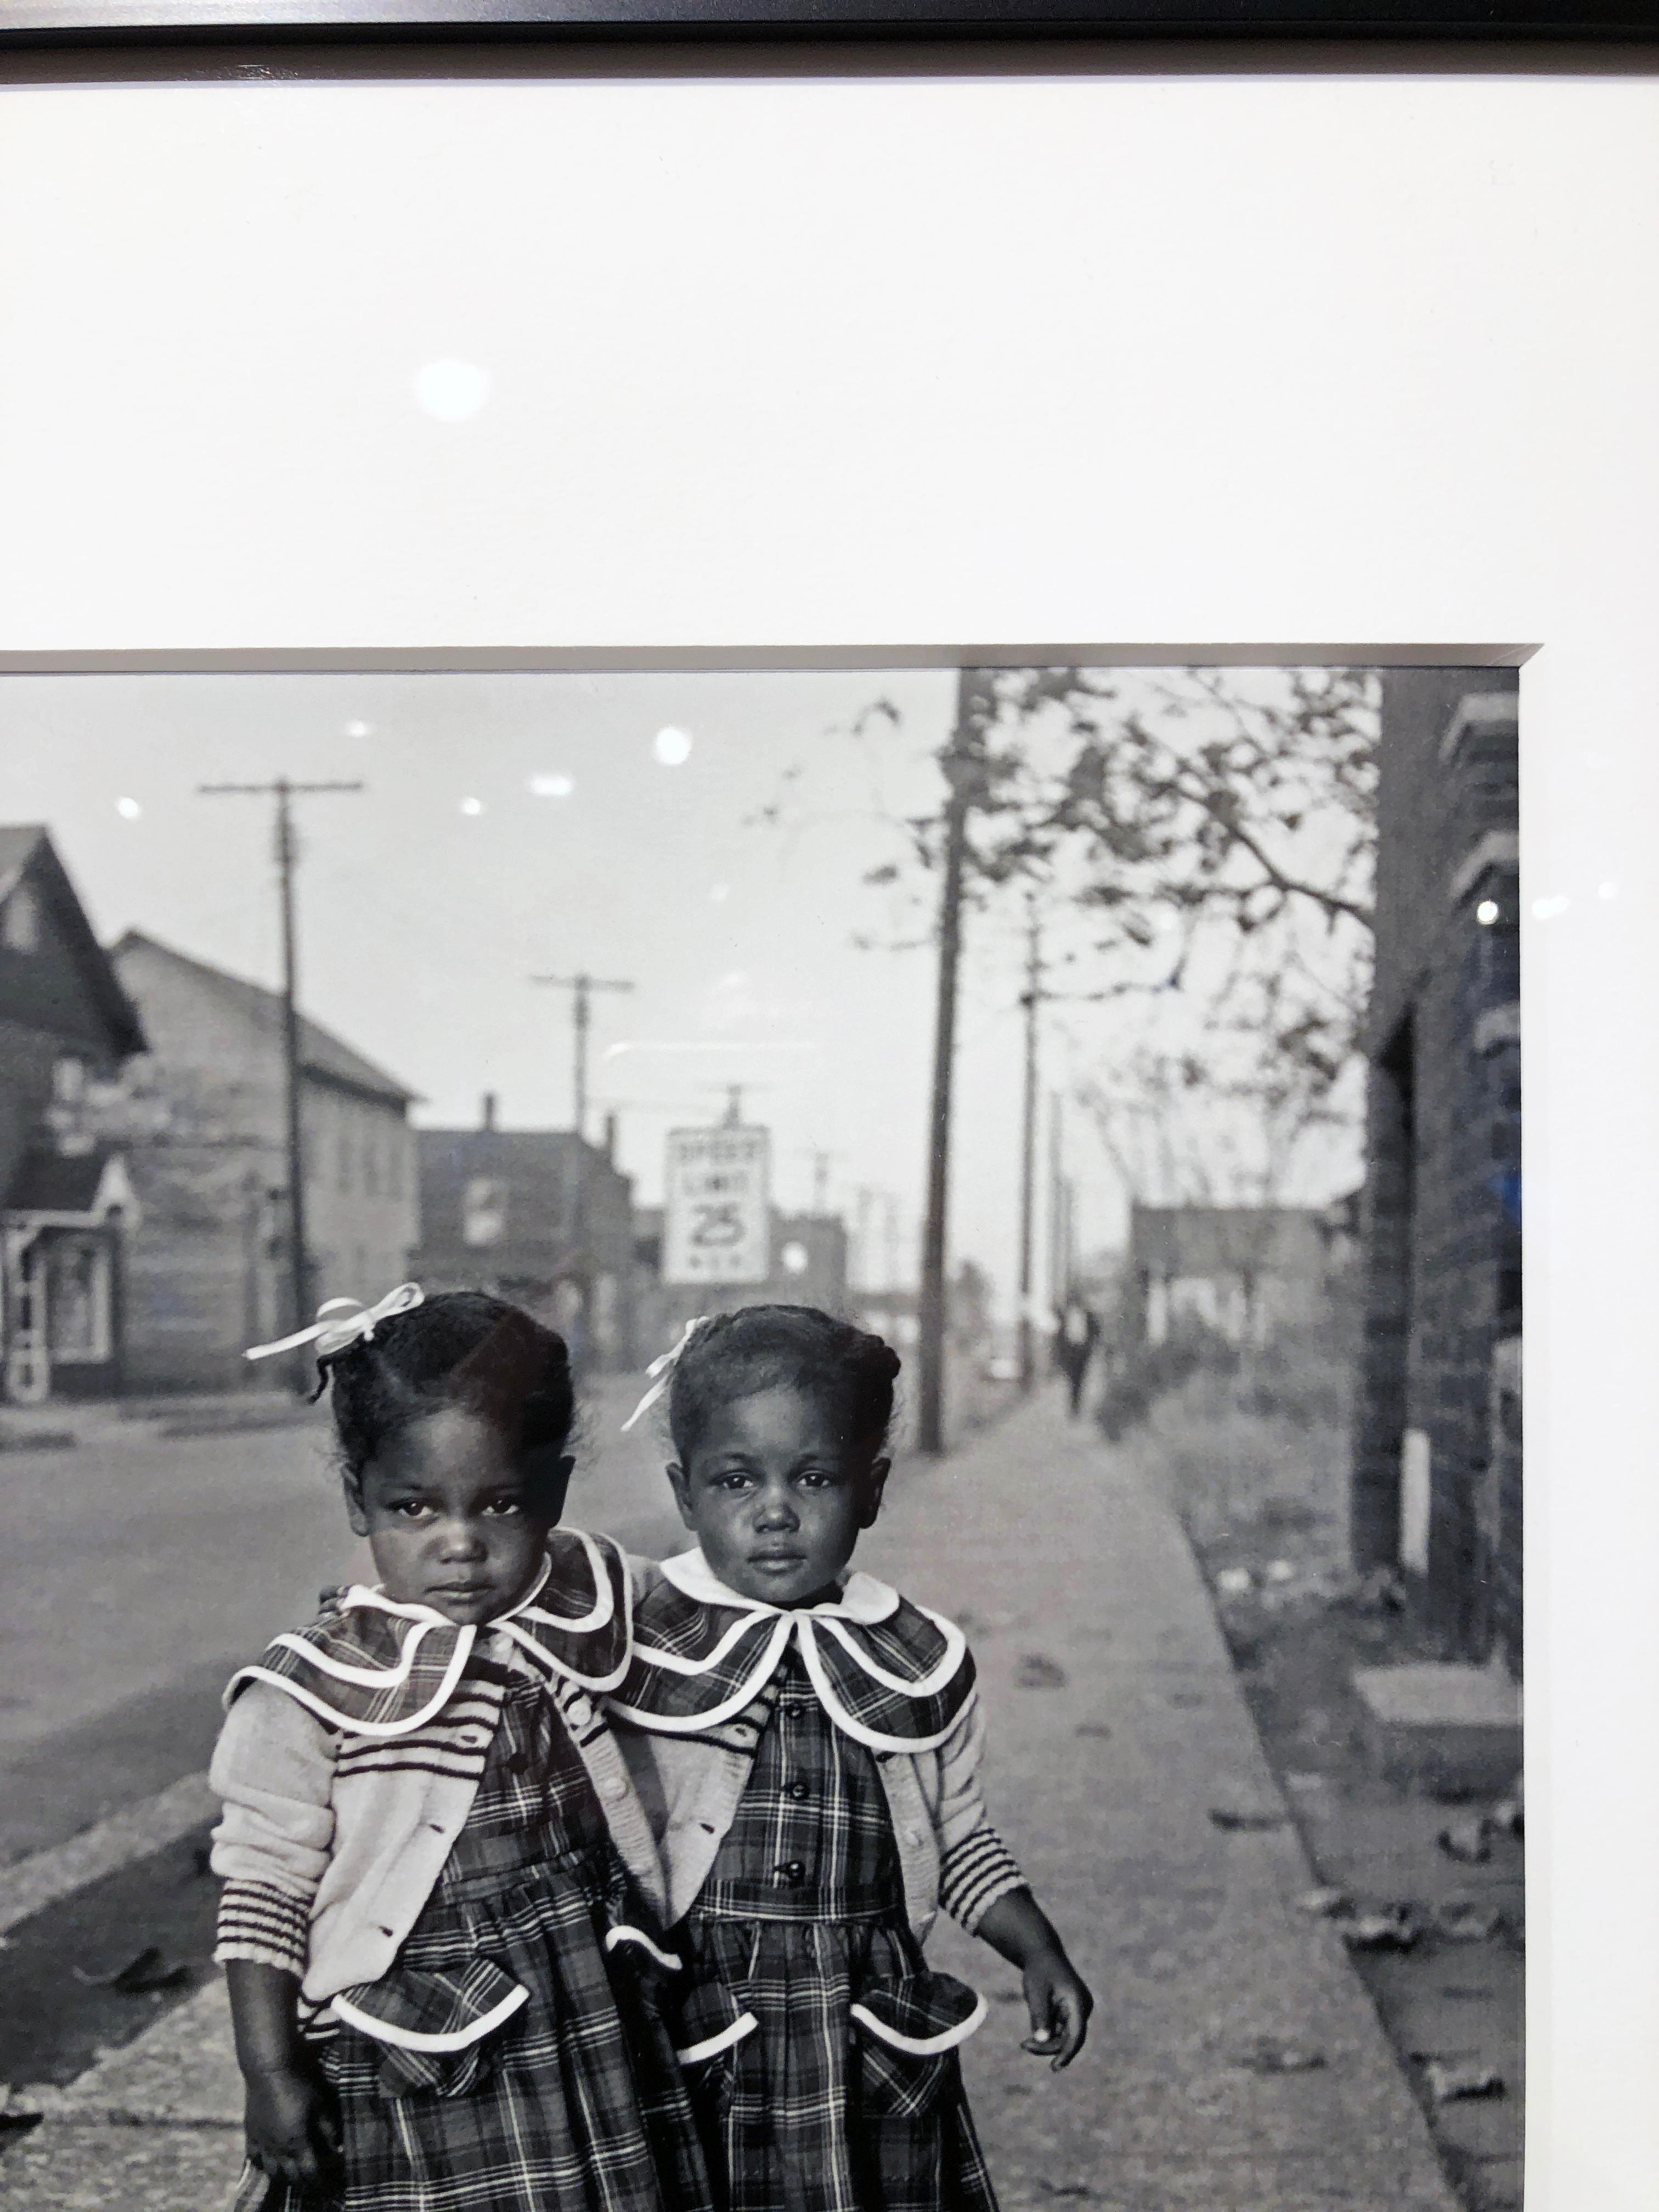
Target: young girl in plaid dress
808 1743
442 1892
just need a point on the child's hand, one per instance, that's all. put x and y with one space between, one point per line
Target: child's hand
293 2132
1060 2004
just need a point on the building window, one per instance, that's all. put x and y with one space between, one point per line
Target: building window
20 922
77 1299
483 1211
394 1165
371 1163
344 1177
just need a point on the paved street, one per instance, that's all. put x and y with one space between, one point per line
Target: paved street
1117 1726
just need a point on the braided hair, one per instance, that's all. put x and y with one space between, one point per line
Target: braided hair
459 1348
758 1348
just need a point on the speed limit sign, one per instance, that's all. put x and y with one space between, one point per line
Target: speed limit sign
717 1192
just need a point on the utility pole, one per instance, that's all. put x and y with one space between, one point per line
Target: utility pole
1059 1258
963 766
582 987
1030 1001
866 1270
284 792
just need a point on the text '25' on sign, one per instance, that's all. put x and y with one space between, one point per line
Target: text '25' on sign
717 1224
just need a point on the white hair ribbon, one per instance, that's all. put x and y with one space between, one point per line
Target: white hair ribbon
341 1322
660 1372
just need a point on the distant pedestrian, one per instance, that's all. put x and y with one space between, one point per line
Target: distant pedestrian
442 1912
812 1743
1075 1339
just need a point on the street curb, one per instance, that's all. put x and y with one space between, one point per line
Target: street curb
132 1833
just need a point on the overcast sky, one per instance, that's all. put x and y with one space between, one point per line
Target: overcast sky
428 901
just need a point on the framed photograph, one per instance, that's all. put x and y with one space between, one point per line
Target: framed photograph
980 691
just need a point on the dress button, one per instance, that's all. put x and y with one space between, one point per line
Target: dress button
791 1870
579 1710
612 1788
798 1790
912 1836
793 1712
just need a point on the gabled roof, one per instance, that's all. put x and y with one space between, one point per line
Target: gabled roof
26 849
321 1053
68 1182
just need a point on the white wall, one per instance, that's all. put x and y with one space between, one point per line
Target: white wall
1143 361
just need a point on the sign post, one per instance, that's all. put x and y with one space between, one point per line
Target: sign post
717 1211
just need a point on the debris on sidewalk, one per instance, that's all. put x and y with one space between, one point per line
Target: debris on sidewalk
1268 2054
1233 1820
1324 1904
1463 1920
1448 2079
1392 1927
146 1972
1093 1728
1235 1582
1468 1841
1037 1671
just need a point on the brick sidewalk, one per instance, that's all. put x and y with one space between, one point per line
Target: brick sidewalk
1069 1578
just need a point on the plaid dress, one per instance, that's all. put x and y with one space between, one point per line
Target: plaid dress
800 1929
576 2103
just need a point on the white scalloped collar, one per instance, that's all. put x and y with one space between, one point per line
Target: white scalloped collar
863 1598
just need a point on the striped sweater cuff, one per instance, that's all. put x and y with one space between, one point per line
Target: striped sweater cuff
973 1874
268 1926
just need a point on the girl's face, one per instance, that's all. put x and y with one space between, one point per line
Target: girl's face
776 1496
450 1517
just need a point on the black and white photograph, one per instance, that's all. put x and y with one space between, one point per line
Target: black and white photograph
778 805
664 1332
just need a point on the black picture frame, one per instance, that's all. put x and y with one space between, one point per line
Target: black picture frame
114 25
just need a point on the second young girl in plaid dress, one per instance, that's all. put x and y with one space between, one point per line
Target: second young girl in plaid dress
808 1744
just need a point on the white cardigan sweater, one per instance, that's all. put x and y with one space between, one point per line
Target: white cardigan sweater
690 1783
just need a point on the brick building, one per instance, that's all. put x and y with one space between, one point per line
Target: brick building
203 1120
539 1216
65 1199
1436 1488
807 1267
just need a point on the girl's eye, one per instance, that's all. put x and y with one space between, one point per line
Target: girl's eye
408 1509
738 1479
503 1506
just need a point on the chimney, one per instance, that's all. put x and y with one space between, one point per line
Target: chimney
610 1138
488 1119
